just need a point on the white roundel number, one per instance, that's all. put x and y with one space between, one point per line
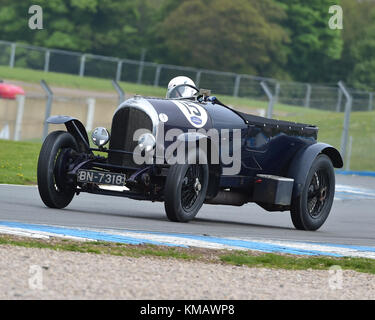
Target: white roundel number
194 113
163 117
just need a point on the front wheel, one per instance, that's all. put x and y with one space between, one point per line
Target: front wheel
185 191
53 162
311 209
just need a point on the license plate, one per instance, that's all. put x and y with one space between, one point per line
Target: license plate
109 178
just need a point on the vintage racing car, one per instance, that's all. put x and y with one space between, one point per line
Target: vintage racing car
190 151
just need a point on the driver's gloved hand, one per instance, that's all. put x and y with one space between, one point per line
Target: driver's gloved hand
212 99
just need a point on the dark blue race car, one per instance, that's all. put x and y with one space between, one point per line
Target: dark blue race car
190 151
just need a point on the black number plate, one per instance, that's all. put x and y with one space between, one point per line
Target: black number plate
91 176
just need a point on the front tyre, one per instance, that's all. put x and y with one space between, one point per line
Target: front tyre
185 191
53 162
311 209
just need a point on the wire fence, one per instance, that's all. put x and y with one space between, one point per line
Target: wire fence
23 119
223 83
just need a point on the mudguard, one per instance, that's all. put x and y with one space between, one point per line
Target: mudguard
188 138
75 128
301 164
215 169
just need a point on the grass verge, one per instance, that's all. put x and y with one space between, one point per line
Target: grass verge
298 263
238 258
75 81
18 162
116 249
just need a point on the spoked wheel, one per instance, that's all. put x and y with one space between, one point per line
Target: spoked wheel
191 186
54 159
185 191
318 193
311 209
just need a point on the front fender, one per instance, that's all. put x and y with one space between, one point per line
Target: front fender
75 128
215 169
202 141
303 160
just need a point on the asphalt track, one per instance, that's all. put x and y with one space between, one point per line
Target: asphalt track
351 222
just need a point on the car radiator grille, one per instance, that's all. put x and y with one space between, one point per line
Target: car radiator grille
125 122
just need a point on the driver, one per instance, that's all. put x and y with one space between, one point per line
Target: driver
182 91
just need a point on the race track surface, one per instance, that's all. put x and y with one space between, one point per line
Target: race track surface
351 222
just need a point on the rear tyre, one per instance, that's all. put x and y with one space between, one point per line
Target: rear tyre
185 191
311 209
53 162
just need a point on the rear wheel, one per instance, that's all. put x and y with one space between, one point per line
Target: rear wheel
311 209
53 185
185 191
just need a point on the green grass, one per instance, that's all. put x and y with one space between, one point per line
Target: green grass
116 249
18 162
298 263
75 82
98 84
362 127
250 259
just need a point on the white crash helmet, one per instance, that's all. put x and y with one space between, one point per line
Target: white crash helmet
181 92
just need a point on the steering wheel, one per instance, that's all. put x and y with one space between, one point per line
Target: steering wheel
179 86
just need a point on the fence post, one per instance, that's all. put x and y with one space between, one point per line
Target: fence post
4 132
277 92
237 86
82 66
49 93
347 165
119 71
308 95
198 78
20 109
270 98
120 92
348 109
339 100
90 113
46 61
157 75
141 66
12 55
370 100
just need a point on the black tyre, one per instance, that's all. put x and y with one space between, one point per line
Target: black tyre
311 209
185 191
53 186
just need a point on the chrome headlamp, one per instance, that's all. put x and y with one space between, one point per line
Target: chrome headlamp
147 142
100 136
